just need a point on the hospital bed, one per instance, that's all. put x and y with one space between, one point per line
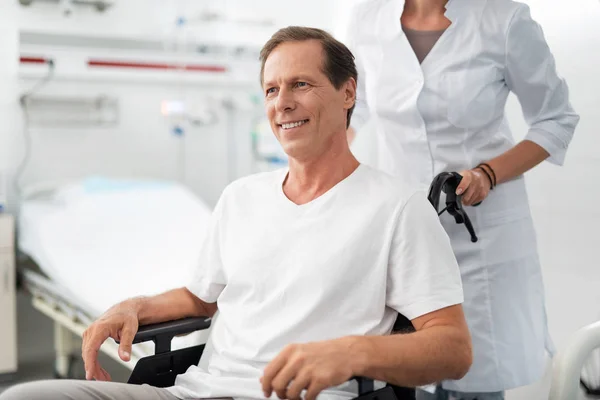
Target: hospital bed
580 353
132 236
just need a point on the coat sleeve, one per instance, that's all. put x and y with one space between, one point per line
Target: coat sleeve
530 73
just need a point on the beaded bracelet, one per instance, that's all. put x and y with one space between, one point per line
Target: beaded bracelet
491 170
488 175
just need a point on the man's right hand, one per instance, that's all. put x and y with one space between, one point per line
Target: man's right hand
120 322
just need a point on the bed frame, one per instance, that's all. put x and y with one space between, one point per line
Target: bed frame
70 321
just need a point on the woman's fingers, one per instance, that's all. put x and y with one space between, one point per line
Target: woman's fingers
465 182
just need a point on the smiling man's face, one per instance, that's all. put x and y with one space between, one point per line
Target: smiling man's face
304 108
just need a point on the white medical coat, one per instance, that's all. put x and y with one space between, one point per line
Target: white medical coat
447 114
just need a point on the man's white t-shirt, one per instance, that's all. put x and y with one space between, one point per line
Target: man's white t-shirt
343 264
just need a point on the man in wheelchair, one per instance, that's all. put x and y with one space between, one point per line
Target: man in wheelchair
309 266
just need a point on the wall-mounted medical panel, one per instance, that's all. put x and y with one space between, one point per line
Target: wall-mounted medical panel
126 59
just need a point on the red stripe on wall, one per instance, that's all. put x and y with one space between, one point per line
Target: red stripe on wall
33 60
160 66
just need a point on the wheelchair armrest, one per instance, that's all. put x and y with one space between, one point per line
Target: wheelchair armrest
367 391
163 332
171 328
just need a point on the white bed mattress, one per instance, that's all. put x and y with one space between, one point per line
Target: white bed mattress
107 240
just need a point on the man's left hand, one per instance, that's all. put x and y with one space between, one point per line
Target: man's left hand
312 367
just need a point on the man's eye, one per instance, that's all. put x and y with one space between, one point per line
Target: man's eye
270 90
301 84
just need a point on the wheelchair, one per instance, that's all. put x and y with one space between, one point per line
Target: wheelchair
161 369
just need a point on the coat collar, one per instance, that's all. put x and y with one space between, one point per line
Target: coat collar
388 22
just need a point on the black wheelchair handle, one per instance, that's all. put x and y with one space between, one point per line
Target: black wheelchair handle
447 182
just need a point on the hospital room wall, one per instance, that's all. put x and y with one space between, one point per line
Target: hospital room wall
142 144
156 18
564 200
9 87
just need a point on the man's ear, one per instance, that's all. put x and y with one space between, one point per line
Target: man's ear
349 93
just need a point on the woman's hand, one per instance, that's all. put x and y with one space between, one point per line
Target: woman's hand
474 186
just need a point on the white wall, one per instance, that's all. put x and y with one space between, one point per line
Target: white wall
8 81
156 17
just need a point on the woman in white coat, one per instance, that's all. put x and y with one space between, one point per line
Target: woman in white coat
435 75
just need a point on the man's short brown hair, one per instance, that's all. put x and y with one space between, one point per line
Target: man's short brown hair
339 63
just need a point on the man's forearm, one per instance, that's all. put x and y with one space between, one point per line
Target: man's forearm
414 359
171 305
